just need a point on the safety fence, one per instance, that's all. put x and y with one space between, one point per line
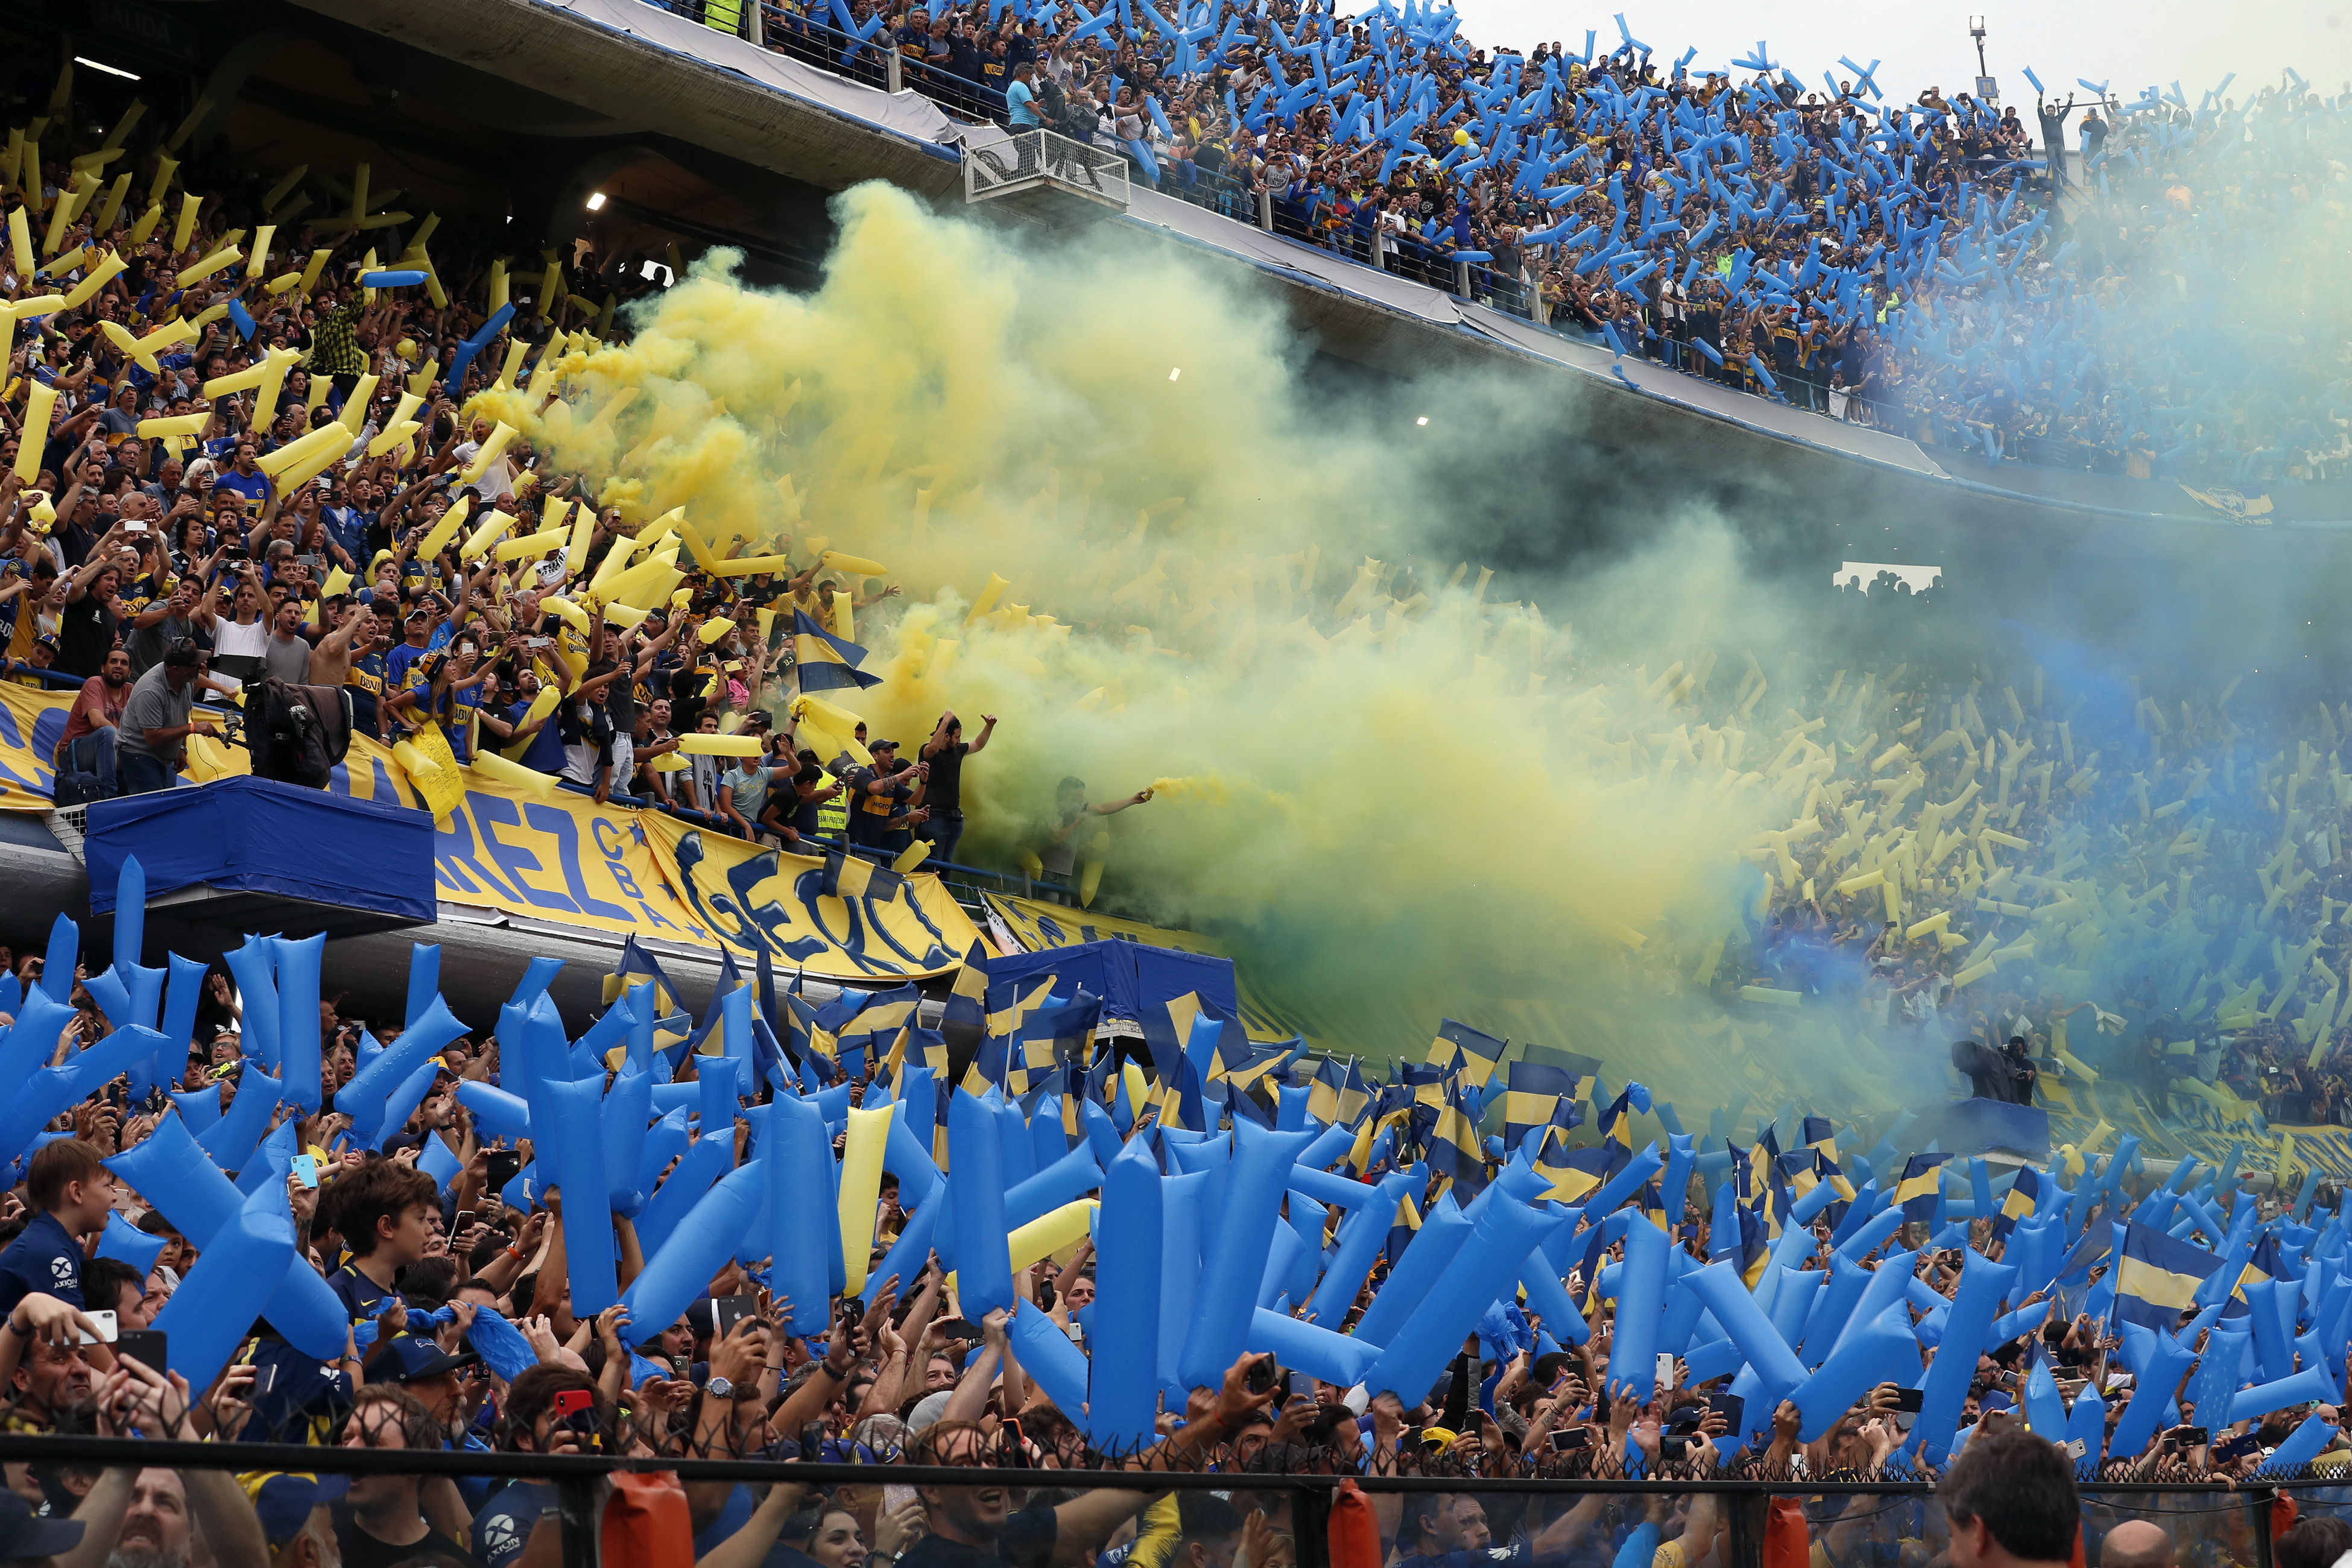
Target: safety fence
1277 1505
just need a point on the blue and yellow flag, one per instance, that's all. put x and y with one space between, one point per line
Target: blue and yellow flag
1921 1189
824 661
1453 1148
2156 1278
1535 1094
1050 1037
1617 1125
1400 1229
1571 1172
1475 1053
2022 1200
1338 1097
871 1024
853 876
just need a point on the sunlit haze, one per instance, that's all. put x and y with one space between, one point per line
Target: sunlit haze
1922 46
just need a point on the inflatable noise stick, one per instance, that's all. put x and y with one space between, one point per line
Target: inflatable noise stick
41 404
988 597
490 453
397 434
856 565
189 205
514 775
240 1273
354 414
721 745
108 269
177 425
218 261
528 544
20 237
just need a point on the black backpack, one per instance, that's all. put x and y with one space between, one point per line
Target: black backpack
78 782
297 733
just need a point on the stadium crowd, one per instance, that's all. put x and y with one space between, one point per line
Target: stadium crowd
1950 269
154 541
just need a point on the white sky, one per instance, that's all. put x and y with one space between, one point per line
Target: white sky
2131 45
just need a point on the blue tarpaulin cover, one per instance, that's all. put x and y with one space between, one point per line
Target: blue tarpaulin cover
257 836
1133 979
1977 1126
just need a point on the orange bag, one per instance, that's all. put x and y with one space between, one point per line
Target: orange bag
646 1524
1788 1543
1355 1535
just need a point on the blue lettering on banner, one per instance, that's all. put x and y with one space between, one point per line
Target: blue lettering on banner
737 916
12 739
558 823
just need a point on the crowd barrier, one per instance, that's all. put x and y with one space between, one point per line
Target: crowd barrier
1752 1521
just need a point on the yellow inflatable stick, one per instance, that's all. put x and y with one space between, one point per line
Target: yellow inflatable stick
40 403
497 769
355 406
721 745
108 266
442 532
541 706
178 424
833 731
186 224
493 527
856 565
914 856
529 545
489 455
219 260
988 597
744 566
861 1190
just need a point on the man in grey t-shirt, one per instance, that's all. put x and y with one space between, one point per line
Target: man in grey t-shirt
157 720
286 655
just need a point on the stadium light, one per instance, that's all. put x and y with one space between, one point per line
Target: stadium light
102 65
595 201
1177 372
1422 420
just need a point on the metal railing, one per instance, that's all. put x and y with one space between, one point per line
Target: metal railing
1860 1522
1027 159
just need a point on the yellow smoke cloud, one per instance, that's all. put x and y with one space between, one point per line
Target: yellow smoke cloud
1404 796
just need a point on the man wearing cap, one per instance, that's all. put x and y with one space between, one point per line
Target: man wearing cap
43 655
297 1515
157 720
876 795
24 1539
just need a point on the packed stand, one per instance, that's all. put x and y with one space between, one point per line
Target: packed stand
229 459
1918 267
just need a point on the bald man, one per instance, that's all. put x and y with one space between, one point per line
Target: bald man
2136 1543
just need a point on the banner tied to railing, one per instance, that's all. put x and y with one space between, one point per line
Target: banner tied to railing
614 869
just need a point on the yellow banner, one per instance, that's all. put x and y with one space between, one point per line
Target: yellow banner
748 897
566 859
32 720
